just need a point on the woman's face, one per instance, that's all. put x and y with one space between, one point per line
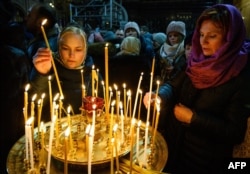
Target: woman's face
72 50
211 37
173 38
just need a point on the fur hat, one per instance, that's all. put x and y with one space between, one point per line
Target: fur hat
160 37
133 25
131 45
177 26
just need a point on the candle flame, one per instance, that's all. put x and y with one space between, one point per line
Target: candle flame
120 104
139 123
115 86
102 82
44 22
67 132
34 97
115 127
30 120
113 103
56 97
39 101
87 129
124 85
27 87
106 45
49 78
68 109
94 106
43 95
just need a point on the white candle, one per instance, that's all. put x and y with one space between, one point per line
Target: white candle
156 96
111 119
139 109
50 97
42 130
146 143
138 139
131 143
137 94
26 102
51 136
116 148
103 87
29 131
124 97
93 80
122 124
91 141
32 106
128 101
67 132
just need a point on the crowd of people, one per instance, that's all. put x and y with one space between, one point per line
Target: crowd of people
204 77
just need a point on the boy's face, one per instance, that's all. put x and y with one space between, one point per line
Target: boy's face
188 48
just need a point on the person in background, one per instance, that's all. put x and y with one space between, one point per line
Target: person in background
170 53
130 46
158 39
145 32
33 21
70 60
131 28
188 45
95 36
207 106
119 33
14 67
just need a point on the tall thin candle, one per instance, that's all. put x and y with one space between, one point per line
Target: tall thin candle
137 94
50 97
106 80
138 139
122 124
51 137
124 97
146 143
156 96
32 105
132 143
52 60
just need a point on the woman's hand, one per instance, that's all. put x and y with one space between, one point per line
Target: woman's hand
183 113
152 101
42 60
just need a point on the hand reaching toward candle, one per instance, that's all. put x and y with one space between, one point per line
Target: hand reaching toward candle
42 60
146 99
183 113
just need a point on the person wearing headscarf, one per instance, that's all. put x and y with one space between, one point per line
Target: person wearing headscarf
207 106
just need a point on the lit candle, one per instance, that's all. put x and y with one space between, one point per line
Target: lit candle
116 98
93 80
146 143
128 101
150 88
50 97
40 106
124 97
26 102
51 137
111 119
103 87
94 114
83 91
138 139
67 132
122 123
106 80
136 96
131 144
52 60
97 75
60 107
83 95
156 96
139 109
32 106
87 138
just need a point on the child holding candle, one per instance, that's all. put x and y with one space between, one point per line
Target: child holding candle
208 103
70 61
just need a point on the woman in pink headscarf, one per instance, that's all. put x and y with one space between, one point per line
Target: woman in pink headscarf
207 106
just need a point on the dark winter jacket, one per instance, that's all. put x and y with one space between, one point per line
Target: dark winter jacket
218 123
71 84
